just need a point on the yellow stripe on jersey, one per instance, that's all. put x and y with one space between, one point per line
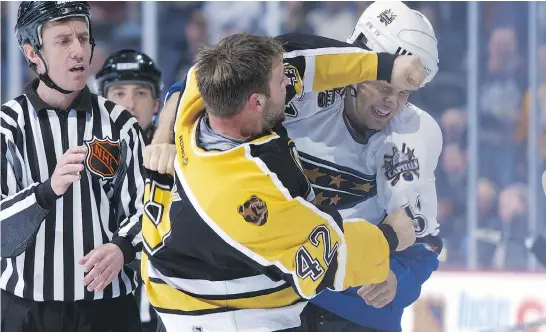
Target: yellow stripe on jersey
329 68
191 104
338 70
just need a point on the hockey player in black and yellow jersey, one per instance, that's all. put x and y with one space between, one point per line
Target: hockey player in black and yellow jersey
237 245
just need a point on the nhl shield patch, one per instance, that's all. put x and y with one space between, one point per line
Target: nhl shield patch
103 157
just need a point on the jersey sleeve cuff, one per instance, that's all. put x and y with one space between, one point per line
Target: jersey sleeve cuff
126 247
385 62
45 196
390 235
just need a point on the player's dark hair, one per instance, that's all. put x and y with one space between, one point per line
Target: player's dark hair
229 72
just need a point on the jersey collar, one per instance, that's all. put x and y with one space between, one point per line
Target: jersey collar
361 136
81 103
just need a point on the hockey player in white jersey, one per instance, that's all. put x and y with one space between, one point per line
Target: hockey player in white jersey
371 129
369 153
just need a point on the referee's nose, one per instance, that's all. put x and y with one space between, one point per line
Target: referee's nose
130 103
77 50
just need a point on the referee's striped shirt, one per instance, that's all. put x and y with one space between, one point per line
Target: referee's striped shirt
52 233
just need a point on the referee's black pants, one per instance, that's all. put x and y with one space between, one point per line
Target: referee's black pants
108 315
316 319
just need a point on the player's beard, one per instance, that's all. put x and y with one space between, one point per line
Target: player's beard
273 115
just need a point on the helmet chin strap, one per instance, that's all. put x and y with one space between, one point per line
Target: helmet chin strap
48 81
45 76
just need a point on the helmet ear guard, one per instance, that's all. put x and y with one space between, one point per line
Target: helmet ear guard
394 28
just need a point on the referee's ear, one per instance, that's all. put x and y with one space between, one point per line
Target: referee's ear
157 104
34 58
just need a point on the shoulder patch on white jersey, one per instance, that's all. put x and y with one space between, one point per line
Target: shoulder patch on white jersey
400 163
294 89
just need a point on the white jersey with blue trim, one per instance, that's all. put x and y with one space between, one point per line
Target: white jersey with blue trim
393 170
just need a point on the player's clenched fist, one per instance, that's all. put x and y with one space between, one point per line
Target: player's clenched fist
379 295
402 225
408 72
68 169
160 158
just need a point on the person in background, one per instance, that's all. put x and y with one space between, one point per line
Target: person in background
132 80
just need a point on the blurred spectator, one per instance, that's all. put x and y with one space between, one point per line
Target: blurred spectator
511 253
452 193
523 124
487 219
293 17
453 124
447 90
451 42
108 11
495 14
172 55
127 35
499 105
228 17
196 33
333 19
107 15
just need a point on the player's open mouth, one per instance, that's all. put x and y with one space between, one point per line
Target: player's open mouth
77 69
380 112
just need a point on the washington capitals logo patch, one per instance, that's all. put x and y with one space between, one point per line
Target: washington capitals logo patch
103 157
401 164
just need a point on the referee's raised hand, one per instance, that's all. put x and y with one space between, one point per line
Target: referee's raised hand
68 169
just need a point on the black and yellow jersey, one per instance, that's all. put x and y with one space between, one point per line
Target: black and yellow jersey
314 63
236 245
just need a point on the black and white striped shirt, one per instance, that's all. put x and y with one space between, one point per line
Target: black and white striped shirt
43 236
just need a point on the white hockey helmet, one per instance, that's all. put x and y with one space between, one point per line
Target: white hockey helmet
393 27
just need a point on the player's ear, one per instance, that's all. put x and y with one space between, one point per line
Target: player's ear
257 101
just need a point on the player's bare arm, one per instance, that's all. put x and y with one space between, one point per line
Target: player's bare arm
164 131
159 156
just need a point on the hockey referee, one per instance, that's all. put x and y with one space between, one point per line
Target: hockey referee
72 186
